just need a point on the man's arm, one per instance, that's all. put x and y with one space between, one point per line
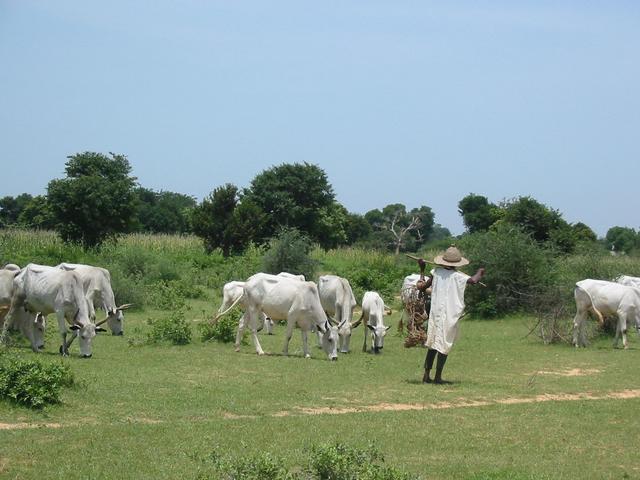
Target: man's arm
476 278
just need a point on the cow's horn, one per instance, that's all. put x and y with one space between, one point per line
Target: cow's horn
332 321
102 321
125 306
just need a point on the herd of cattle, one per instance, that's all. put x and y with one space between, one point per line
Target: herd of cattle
326 308
73 292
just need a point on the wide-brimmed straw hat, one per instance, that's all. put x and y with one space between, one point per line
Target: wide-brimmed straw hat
451 258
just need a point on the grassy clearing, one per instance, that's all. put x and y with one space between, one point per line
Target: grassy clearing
155 411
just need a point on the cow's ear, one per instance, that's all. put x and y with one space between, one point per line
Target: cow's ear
100 329
388 328
371 327
74 327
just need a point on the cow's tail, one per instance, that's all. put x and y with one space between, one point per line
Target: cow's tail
593 308
217 317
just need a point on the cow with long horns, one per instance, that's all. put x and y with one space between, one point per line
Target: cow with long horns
43 290
96 283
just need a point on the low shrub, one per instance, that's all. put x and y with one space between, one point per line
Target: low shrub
224 330
515 266
340 461
173 328
168 296
330 461
289 252
32 383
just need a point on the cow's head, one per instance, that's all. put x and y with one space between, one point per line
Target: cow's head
86 332
344 333
115 319
378 333
330 340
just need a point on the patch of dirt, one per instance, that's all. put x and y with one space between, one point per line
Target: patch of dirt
22 425
573 372
465 403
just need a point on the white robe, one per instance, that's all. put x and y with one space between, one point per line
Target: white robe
447 306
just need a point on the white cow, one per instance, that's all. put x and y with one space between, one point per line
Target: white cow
45 290
30 325
338 302
605 299
628 281
373 311
285 299
96 283
233 290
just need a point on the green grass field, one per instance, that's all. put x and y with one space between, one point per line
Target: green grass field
517 409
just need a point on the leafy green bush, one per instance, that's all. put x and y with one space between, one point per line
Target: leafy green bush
172 328
32 383
261 466
168 296
224 330
516 266
289 252
330 461
340 461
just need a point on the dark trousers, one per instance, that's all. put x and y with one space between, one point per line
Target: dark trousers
428 361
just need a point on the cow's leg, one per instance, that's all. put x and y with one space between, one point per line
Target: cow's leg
621 329
287 338
253 318
241 326
305 343
578 320
62 329
366 333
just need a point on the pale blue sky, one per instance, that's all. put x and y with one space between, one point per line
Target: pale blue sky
416 102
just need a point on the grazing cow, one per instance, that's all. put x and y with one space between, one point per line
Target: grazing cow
285 299
338 302
628 281
31 326
605 299
45 290
373 311
96 283
233 290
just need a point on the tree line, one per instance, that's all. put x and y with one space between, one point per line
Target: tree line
99 199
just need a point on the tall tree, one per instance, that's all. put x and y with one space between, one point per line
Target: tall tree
477 213
622 239
533 217
225 220
96 200
293 195
12 207
37 214
399 229
164 212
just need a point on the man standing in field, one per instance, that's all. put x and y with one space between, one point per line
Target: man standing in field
447 305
